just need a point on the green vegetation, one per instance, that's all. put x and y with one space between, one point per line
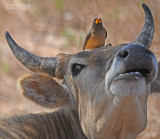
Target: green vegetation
69 35
59 4
114 14
5 67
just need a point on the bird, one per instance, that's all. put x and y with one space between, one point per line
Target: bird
96 35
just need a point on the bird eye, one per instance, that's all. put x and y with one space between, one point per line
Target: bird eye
76 69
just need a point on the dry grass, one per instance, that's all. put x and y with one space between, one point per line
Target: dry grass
49 27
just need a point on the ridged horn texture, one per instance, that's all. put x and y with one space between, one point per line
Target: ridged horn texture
147 33
31 61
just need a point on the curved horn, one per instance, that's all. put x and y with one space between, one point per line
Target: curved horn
31 61
147 33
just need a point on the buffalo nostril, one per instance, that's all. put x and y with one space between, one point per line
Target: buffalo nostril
123 53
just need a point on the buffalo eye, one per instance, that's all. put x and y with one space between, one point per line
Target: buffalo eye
76 69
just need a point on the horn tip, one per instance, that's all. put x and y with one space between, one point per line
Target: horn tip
7 33
9 39
145 7
8 36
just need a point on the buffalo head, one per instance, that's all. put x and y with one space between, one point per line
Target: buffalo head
107 87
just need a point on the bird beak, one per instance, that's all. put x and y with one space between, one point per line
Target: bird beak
98 20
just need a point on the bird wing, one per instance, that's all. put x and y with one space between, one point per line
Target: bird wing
86 39
106 32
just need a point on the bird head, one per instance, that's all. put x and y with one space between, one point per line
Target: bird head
97 21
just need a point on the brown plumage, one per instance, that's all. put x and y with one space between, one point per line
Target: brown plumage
96 35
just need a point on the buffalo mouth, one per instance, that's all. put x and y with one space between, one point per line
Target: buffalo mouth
131 82
144 72
133 74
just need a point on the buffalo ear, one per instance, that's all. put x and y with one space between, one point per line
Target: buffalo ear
155 86
43 90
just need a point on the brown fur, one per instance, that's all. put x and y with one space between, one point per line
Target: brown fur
62 65
57 125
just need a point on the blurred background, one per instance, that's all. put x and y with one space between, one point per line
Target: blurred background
49 27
